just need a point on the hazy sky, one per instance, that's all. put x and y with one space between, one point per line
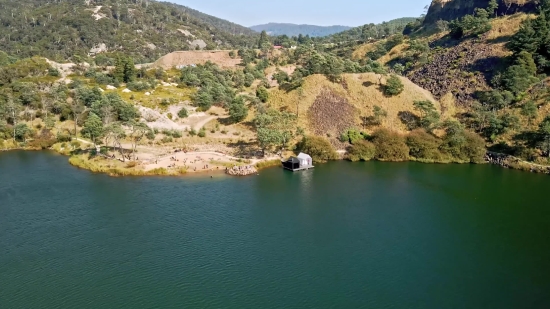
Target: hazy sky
315 12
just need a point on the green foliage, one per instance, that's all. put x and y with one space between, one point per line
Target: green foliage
93 127
216 85
529 110
423 145
22 132
534 38
262 94
352 136
361 151
238 110
476 24
393 86
429 115
202 133
318 148
274 128
61 29
461 144
183 113
390 146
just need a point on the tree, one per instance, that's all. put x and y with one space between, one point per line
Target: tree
274 128
429 115
544 131
423 145
129 70
390 146
93 128
530 111
264 40
138 130
115 132
238 110
318 148
362 151
21 132
442 25
393 86
262 94
492 7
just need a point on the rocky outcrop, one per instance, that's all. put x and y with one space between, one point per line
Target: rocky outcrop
452 9
508 161
461 70
241 170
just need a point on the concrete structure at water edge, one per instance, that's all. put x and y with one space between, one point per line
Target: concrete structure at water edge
301 162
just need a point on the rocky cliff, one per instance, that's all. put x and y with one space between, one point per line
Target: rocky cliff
452 9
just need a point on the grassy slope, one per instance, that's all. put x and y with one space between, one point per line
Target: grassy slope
363 93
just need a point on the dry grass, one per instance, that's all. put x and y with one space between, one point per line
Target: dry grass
267 164
117 168
363 92
506 26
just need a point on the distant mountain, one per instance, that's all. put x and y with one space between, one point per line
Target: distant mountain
144 29
295 30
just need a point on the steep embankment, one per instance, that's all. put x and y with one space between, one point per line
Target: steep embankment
452 9
327 109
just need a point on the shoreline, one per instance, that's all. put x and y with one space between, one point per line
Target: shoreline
493 158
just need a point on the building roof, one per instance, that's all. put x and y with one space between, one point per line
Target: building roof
293 160
304 156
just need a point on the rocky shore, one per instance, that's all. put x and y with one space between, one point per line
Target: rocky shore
241 170
508 161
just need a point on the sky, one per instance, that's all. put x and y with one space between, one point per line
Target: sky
314 12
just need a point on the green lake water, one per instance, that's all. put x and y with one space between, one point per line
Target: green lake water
345 235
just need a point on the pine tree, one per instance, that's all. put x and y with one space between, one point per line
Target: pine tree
118 73
129 70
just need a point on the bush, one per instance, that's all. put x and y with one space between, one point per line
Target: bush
202 133
393 86
352 136
318 148
62 138
390 146
423 145
176 134
138 86
183 113
362 151
262 94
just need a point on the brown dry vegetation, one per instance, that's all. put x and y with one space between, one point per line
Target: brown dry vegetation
219 57
362 93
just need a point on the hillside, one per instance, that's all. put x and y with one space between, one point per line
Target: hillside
373 31
452 9
295 30
327 109
144 29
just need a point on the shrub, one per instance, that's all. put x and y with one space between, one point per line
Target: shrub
169 115
352 136
318 148
202 133
176 134
183 113
362 151
393 86
262 94
390 146
138 86
423 145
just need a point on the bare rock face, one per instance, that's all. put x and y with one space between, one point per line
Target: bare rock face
452 9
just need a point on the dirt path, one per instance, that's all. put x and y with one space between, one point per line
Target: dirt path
199 125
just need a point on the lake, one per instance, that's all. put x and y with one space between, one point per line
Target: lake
345 235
